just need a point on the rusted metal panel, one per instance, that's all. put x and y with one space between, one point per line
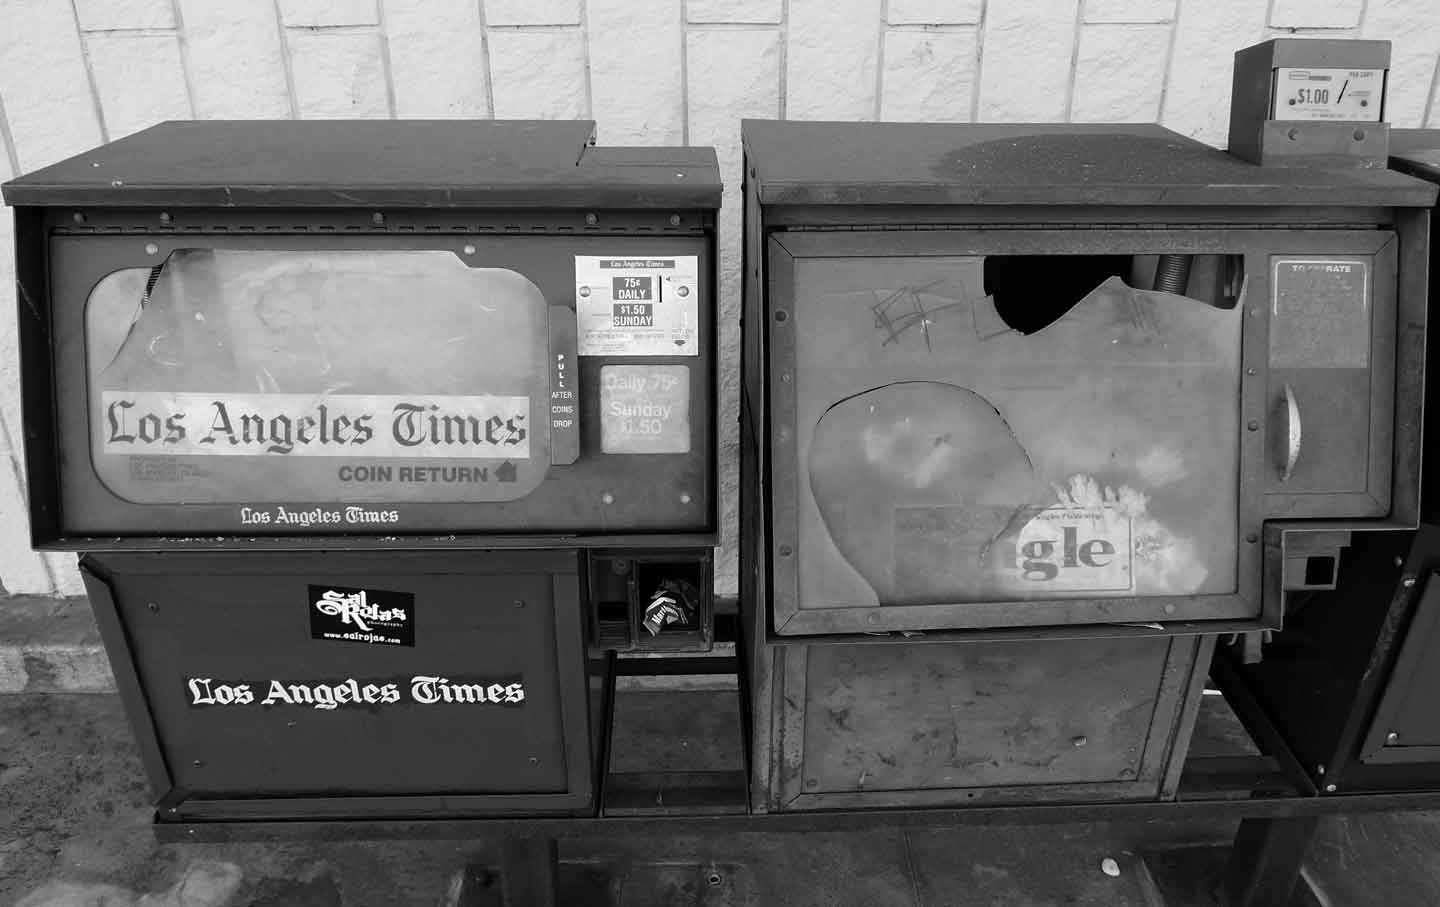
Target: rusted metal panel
760 696
931 724
1182 729
1414 375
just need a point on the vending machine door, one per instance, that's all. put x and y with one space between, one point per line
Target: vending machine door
383 385
284 686
959 444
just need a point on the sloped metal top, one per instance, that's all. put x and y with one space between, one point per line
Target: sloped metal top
348 163
1416 151
812 163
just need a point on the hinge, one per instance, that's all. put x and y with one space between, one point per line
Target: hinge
1069 227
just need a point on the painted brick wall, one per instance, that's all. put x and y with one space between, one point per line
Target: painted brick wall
76 72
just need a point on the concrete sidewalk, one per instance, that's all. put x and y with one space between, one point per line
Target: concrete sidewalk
51 645
74 831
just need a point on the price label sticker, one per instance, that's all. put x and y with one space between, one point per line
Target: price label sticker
1349 95
637 306
645 409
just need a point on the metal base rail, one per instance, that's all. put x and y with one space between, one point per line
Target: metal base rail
1274 835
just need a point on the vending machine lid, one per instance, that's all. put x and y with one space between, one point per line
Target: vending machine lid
824 164
1416 152
359 163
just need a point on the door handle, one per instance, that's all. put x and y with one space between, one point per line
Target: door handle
562 409
1290 433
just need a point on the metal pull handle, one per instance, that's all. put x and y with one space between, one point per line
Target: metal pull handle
1290 434
563 407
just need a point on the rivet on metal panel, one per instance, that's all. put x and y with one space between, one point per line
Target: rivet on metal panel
592 219
151 249
1399 561
714 879
1407 582
1331 788
1392 738
152 606
468 250
197 763
78 217
165 217
1359 135
190 831
289 724
1169 609
781 315
607 498
534 760
873 619
1250 371
675 218
785 378
1293 134
1253 425
1320 769
1251 537
377 218
785 551
812 783
1080 741
685 497
519 602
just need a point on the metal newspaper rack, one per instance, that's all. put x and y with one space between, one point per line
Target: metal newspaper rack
355 424
1153 400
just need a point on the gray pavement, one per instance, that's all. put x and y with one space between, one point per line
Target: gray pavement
73 831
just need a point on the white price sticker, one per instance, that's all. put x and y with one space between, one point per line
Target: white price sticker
1349 95
637 306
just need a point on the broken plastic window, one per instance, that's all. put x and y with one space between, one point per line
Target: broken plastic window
319 376
946 456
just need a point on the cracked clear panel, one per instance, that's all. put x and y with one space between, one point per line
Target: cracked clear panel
945 457
319 376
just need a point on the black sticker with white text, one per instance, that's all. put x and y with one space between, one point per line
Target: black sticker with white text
373 616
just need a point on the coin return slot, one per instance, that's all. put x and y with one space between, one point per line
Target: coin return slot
1320 571
673 592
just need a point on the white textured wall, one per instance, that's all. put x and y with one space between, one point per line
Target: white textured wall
76 72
